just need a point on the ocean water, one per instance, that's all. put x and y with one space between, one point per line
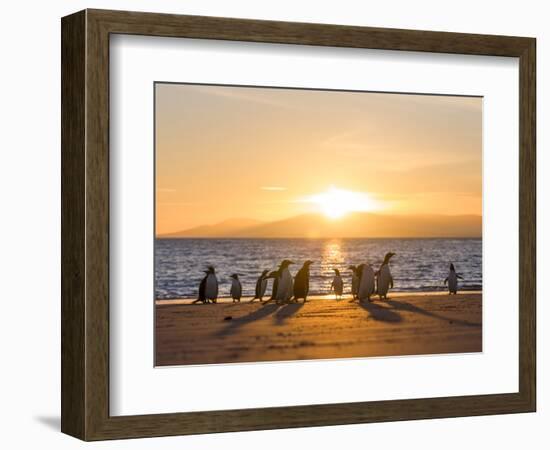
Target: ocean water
419 264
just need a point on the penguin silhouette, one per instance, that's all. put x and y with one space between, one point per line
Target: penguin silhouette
275 276
337 285
202 289
354 281
261 286
452 280
211 285
384 279
285 285
236 288
301 282
366 282
359 275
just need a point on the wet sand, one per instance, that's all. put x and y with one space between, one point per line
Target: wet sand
406 324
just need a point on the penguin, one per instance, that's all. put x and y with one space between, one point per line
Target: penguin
366 282
261 286
337 284
384 280
275 276
301 282
358 273
285 283
236 288
211 285
202 288
452 279
354 281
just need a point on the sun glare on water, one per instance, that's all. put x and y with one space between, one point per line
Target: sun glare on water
335 203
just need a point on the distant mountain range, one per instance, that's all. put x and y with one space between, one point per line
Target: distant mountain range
227 228
353 225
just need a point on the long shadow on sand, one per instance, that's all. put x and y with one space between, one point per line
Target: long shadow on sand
258 314
381 313
287 311
404 306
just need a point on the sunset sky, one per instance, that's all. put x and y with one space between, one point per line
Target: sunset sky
269 154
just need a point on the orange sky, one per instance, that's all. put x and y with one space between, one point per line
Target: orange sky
266 154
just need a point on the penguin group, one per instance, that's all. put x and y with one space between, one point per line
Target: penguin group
365 283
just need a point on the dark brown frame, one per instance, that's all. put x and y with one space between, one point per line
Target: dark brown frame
85 224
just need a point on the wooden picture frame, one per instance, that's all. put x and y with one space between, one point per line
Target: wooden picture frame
85 224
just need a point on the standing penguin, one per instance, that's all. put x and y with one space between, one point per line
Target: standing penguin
285 283
337 285
301 282
261 286
366 282
236 288
208 287
354 282
275 276
202 289
211 285
384 278
452 279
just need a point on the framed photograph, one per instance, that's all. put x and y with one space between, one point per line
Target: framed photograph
273 225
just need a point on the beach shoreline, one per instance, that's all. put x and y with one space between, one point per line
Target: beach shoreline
315 297
417 323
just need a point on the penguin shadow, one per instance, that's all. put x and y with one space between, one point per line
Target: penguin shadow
405 306
239 322
286 312
381 313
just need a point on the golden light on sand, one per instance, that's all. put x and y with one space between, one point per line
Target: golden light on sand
335 203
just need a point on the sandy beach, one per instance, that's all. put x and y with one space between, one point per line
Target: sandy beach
406 324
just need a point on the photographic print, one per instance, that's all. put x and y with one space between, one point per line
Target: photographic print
299 224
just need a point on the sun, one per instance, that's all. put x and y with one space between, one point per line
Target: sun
335 203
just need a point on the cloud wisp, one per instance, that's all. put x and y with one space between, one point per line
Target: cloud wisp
273 188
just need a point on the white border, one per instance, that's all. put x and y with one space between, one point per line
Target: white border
138 388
